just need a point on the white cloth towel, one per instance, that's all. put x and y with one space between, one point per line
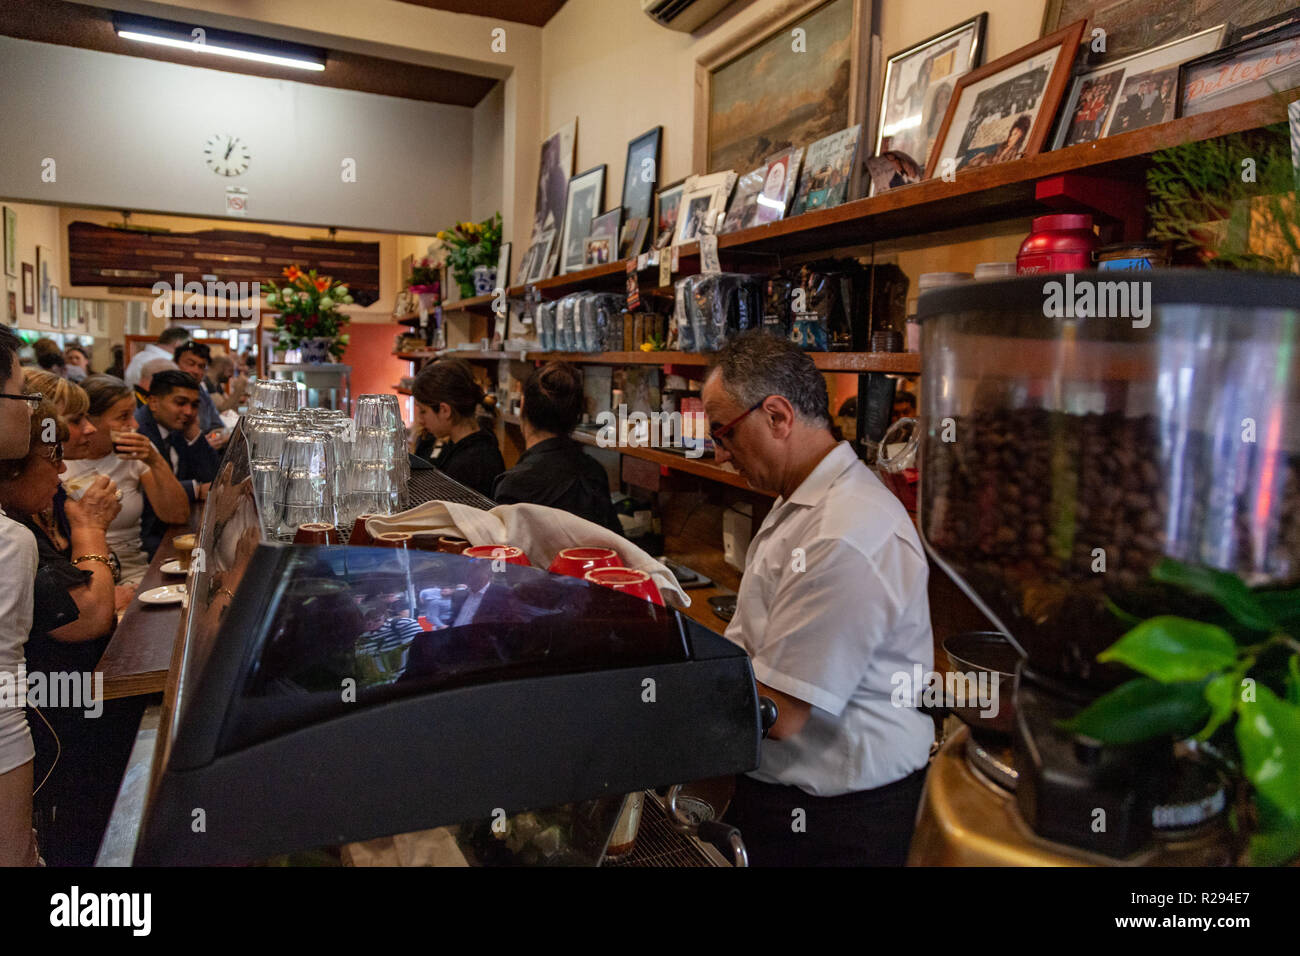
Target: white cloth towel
540 532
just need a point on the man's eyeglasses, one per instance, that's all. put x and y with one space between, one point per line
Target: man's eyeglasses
722 433
53 452
33 400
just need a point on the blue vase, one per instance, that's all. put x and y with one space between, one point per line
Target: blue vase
315 351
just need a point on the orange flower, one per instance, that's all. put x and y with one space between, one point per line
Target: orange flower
292 273
322 283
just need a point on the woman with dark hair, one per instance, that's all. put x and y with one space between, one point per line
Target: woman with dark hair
72 620
447 399
135 465
554 470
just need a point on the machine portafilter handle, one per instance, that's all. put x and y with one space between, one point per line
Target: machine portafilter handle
767 713
723 836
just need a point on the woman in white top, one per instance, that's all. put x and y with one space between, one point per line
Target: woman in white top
136 467
18 561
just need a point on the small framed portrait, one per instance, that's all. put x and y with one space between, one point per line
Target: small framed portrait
1128 94
779 182
666 203
581 206
11 241
57 318
632 240
536 264
704 200
1004 111
44 279
606 226
1264 66
641 174
597 251
13 307
918 86
29 289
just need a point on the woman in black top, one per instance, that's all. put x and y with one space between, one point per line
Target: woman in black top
446 399
554 470
72 619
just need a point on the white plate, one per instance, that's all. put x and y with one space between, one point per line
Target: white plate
173 567
167 594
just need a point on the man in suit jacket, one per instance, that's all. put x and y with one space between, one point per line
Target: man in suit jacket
171 422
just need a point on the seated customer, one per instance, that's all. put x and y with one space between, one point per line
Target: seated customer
73 616
554 470
147 372
446 399
220 377
139 471
171 422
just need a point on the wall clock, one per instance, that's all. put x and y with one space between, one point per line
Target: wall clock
226 155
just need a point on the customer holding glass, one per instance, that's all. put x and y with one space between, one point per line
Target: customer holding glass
446 402
81 750
18 559
118 450
554 470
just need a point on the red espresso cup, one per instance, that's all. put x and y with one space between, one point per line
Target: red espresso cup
628 580
509 553
317 533
449 544
360 536
575 562
394 539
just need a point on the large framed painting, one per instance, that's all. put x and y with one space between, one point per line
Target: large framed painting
1133 26
553 173
918 87
802 79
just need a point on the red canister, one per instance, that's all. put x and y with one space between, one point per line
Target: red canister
1063 242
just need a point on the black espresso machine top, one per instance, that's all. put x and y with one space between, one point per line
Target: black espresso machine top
334 694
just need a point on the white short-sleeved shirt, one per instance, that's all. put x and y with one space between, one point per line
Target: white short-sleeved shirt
18 559
131 374
124 533
836 632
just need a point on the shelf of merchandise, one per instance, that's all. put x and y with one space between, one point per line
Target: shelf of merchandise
894 363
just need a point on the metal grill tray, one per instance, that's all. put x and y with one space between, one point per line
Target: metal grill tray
659 844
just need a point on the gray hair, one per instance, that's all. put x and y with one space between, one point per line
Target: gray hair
755 364
154 366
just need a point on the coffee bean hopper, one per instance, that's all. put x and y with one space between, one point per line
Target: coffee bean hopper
309 709
1077 431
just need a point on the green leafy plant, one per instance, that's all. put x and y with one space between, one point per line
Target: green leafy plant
469 245
1231 682
1229 199
308 308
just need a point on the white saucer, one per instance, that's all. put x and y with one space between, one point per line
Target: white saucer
173 567
167 594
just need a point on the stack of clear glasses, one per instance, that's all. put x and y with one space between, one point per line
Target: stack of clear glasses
275 394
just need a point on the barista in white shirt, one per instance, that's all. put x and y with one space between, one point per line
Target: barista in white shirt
832 604
18 561
168 340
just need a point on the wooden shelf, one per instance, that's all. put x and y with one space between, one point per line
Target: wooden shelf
977 196
702 467
896 363
480 304
402 390
415 356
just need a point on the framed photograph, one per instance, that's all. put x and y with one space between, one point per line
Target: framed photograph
597 250
743 211
802 78
44 279
503 266
779 184
1004 110
553 176
918 86
606 226
57 318
632 239
29 289
1248 71
1255 31
827 172
641 174
1137 91
1133 26
11 241
536 265
13 307
666 203
586 195
704 199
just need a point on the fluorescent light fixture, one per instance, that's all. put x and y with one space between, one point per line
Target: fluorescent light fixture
241 46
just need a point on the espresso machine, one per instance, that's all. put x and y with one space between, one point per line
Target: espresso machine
1072 440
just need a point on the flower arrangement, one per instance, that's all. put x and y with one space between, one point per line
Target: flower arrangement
469 245
309 309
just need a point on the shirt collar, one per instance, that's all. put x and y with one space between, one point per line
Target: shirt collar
558 443
812 490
